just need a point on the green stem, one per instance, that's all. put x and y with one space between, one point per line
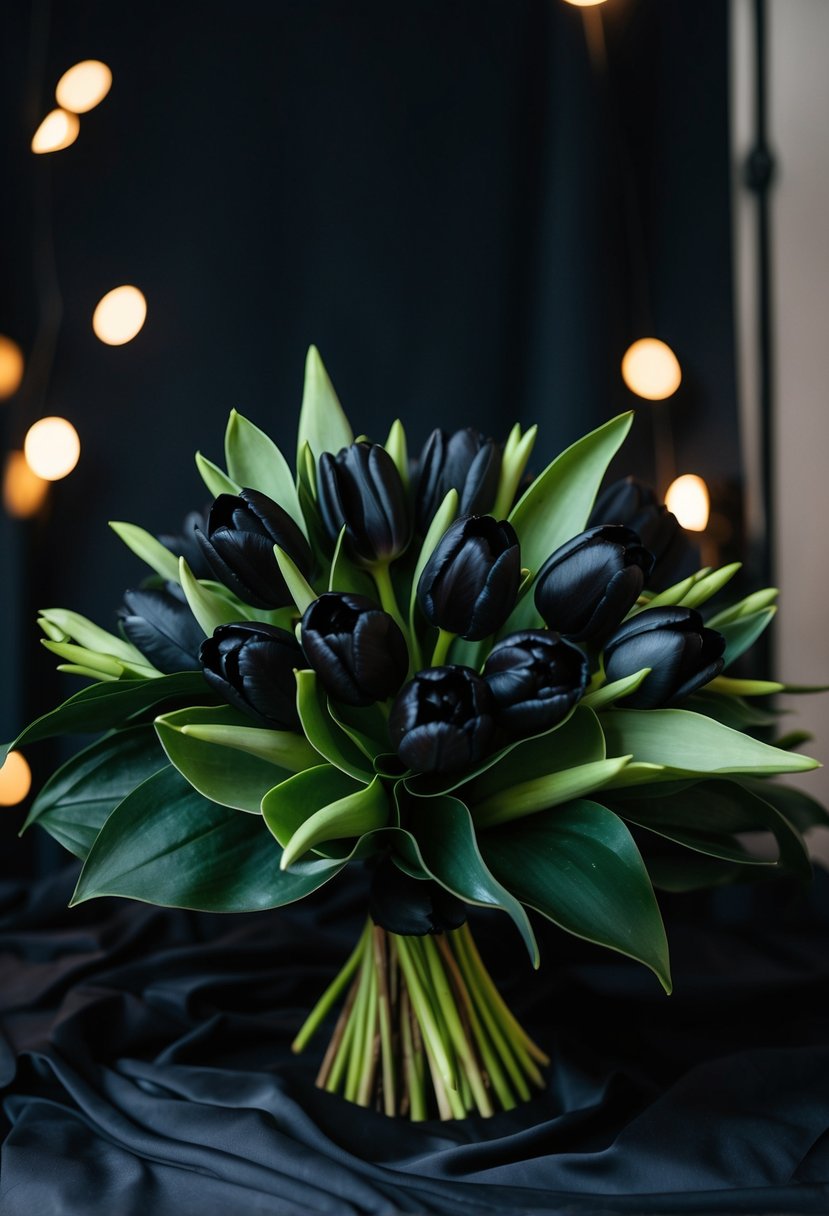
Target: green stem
381 967
423 1009
370 1041
442 989
497 1003
441 650
359 1015
329 997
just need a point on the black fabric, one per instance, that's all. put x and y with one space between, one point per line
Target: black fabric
146 1065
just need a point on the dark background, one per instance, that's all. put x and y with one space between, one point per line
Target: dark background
471 208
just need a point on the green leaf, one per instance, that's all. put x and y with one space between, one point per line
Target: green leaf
517 451
744 632
302 593
446 840
364 809
578 865
256 463
91 636
747 607
397 448
322 423
441 520
744 688
165 844
209 609
707 587
695 873
797 808
606 694
216 481
288 805
556 506
149 549
104 706
731 711
224 775
77 799
671 595
686 743
365 726
223 727
103 665
345 576
323 733
530 797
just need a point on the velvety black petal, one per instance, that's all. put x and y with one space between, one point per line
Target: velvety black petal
442 720
536 677
481 484
682 653
186 545
357 650
163 628
252 665
361 489
470 582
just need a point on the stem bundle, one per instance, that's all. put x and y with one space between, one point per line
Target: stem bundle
423 1030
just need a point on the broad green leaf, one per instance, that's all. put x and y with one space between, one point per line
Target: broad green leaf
104 706
323 733
366 727
322 423
90 635
345 576
606 694
216 481
149 549
540 794
302 593
224 775
165 844
256 463
441 520
209 609
397 448
730 710
706 588
77 799
578 865
796 807
696 872
752 604
290 804
364 810
445 837
685 743
744 632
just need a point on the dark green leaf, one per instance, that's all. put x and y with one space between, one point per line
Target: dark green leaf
323 733
744 632
797 808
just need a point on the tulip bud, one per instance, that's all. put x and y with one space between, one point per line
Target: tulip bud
355 648
588 585
160 624
411 907
634 504
361 488
252 666
186 543
470 583
682 654
442 720
241 533
536 678
464 461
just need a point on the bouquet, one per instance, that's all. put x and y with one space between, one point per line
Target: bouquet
486 689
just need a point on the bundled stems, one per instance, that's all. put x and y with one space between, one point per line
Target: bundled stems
423 1030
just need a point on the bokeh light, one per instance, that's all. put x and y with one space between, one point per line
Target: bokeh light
585 3
84 86
52 448
651 369
119 315
11 367
690 502
15 779
58 130
23 491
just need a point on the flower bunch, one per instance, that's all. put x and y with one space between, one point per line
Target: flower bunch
471 684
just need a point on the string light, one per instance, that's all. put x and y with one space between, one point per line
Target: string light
52 448
58 130
11 367
23 491
119 315
651 369
15 779
690 502
84 86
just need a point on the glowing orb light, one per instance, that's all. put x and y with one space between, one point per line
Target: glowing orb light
15 779
84 86
11 367
119 315
651 369
52 448
690 502
58 130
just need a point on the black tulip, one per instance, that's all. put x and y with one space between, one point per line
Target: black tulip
186 544
536 678
252 666
681 652
464 461
411 907
160 624
238 546
588 585
361 488
355 648
470 583
635 504
442 721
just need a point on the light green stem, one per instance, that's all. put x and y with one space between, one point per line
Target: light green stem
423 1009
381 967
441 650
329 997
442 989
359 1014
497 1003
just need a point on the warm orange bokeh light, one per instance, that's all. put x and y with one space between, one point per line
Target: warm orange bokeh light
585 3
15 779
84 86
23 491
52 448
651 369
119 315
11 367
58 130
690 502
